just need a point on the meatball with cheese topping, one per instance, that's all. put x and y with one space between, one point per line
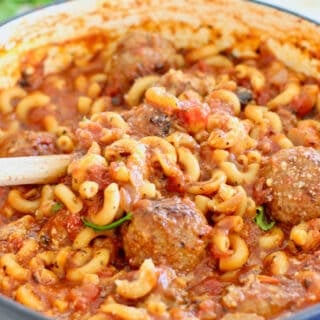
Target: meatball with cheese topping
292 178
170 231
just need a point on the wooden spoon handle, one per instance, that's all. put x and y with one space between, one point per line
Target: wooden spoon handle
33 170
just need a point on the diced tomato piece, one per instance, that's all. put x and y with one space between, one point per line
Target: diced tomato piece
263 97
84 296
99 174
302 104
175 184
73 225
193 116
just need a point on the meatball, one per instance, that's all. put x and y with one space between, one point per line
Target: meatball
144 120
170 231
28 143
178 82
263 299
139 54
292 177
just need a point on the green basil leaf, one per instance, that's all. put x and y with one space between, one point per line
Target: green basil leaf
261 220
56 207
109 226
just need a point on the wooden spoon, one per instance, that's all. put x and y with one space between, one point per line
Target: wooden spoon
33 170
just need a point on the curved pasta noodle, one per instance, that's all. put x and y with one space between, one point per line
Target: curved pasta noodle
50 123
164 153
26 296
84 104
85 236
299 234
146 281
34 100
282 141
99 261
163 100
238 257
278 263
81 257
220 235
16 201
218 45
38 266
236 177
60 262
125 312
292 90
68 198
88 189
182 139
149 190
139 87
110 207
209 186
9 263
7 96
202 203
114 126
190 163
79 168
135 149
120 172
110 120
218 61
235 201
65 143
46 202
264 118
230 223
219 155
94 91
220 243
99 105
227 97
28 250
306 235
271 239
257 78
157 143
224 138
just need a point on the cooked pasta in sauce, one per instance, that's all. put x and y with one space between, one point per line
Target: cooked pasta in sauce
194 189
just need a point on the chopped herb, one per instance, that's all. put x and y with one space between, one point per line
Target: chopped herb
109 226
261 220
84 119
56 207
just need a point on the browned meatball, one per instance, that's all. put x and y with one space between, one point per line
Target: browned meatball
170 231
28 143
263 299
292 177
144 120
178 82
139 54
